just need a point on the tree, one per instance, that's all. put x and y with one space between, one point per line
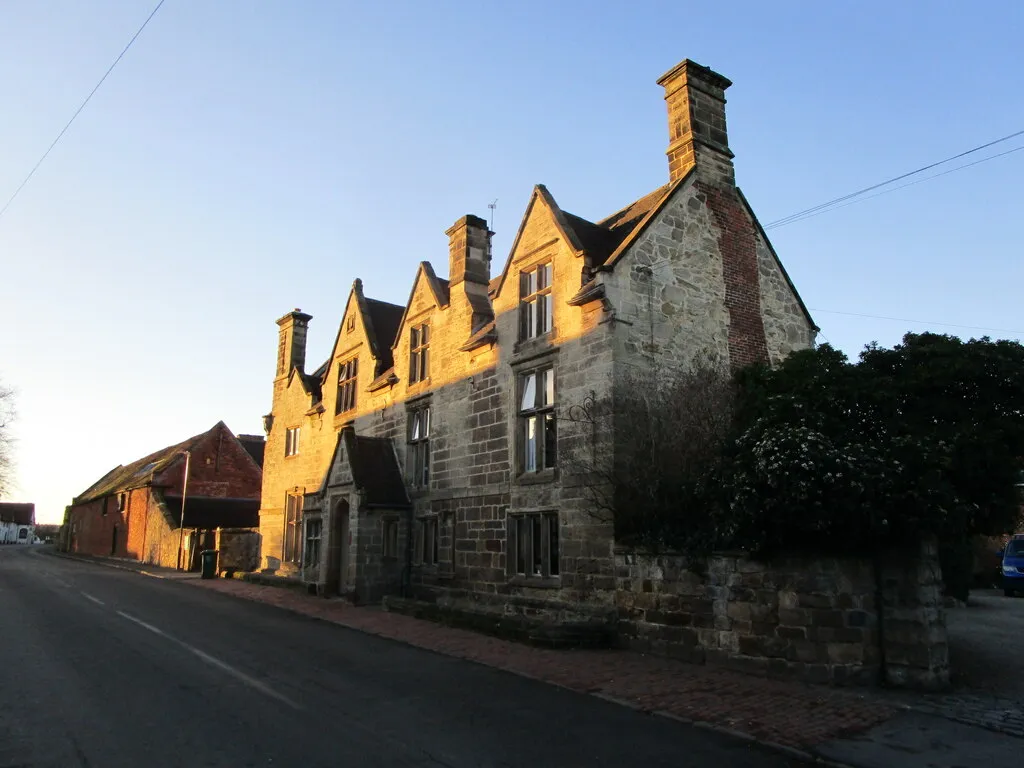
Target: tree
6 452
648 455
925 438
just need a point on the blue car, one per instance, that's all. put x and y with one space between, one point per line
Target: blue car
1013 566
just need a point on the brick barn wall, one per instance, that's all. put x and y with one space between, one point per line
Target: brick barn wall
93 531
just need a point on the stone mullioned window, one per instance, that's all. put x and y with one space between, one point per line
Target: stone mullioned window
348 373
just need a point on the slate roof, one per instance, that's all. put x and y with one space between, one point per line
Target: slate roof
139 472
375 469
385 319
254 445
19 514
209 512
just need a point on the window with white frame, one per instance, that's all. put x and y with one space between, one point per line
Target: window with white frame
418 454
538 434
314 533
291 441
347 375
535 305
419 353
292 549
534 539
428 541
390 538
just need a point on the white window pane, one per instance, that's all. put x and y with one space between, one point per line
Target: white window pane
547 307
529 392
530 445
426 422
531 319
549 386
547 274
532 284
416 426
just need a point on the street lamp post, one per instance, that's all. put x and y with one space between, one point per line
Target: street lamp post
181 525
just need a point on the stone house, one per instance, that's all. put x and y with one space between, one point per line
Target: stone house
423 456
135 510
17 523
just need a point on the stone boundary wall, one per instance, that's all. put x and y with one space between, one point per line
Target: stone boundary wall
238 549
812 619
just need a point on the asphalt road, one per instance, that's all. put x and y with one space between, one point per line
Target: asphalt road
105 668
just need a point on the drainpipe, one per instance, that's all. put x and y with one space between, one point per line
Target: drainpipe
181 525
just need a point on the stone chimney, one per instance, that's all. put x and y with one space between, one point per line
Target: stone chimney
291 342
469 251
697 136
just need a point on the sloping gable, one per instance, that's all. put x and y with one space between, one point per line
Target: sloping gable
600 243
379 321
425 284
778 261
370 465
542 201
630 222
142 471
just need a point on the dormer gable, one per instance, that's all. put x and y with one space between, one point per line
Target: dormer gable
543 225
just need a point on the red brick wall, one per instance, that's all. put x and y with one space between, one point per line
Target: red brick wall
138 502
747 343
92 532
219 466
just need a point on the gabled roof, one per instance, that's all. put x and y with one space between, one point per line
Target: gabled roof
439 289
255 446
385 319
141 471
19 514
374 466
540 192
380 322
602 242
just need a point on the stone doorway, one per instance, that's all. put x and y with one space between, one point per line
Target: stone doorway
338 554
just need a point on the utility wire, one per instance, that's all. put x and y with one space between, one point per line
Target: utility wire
78 111
919 322
901 186
843 198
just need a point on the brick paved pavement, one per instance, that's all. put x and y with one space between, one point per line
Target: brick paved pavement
787 713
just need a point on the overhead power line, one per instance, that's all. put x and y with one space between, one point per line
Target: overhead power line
918 322
79 110
848 199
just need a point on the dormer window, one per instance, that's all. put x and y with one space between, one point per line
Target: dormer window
347 374
419 353
535 301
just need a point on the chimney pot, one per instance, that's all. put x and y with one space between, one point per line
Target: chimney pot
469 251
695 97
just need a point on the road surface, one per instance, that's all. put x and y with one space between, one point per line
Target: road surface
105 668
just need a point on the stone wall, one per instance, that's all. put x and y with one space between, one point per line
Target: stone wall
238 549
812 619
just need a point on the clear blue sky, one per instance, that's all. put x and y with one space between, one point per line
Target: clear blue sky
248 158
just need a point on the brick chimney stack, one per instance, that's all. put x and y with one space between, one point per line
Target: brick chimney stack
469 251
291 343
695 96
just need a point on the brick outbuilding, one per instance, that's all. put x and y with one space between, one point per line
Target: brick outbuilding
135 510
